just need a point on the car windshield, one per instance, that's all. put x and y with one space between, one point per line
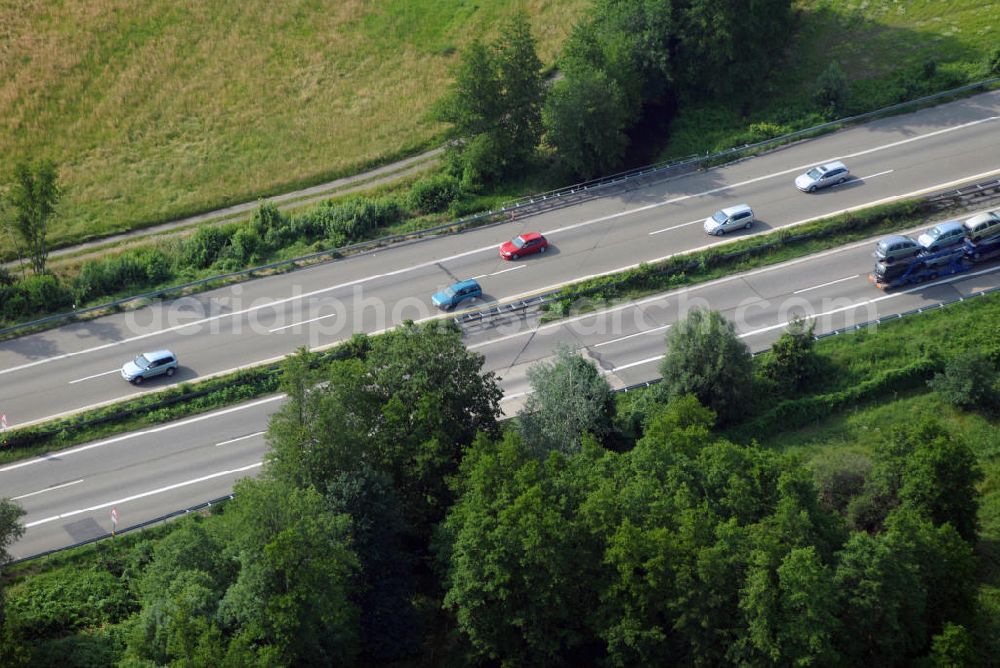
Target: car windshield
815 173
518 241
719 217
934 232
448 291
142 361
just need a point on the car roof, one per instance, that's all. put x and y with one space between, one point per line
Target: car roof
836 164
981 217
893 238
733 210
468 283
530 236
158 354
949 225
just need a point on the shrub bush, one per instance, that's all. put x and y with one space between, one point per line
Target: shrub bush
967 381
434 194
64 600
832 89
204 247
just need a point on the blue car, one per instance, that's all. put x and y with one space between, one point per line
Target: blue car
455 294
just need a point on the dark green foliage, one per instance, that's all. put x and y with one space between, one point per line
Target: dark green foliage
520 568
840 478
706 358
494 105
585 119
569 398
129 270
409 409
434 193
993 63
832 91
881 600
32 296
33 197
953 648
291 596
924 467
384 593
204 247
967 381
725 45
56 603
180 592
792 360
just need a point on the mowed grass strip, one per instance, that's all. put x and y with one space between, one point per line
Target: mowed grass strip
158 110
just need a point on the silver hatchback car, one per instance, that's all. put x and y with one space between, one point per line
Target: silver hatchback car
730 218
820 177
149 365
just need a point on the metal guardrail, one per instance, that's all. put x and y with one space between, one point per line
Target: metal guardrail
529 205
141 525
966 195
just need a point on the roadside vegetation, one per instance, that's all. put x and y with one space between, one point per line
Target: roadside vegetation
659 526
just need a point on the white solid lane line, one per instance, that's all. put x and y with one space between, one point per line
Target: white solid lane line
631 336
240 438
823 285
872 176
118 502
96 375
304 322
497 273
677 227
62 454
47 489
492 247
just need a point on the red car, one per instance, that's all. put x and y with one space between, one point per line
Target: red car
524 244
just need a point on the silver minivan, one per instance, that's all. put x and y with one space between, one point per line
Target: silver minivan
730 218
896 247
984 226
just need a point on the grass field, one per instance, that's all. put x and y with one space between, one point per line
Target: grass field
156 110
882 45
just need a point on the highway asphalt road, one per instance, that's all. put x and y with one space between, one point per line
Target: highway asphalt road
69 495
76 366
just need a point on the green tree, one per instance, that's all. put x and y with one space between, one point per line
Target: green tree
881 603
923 466
967 381
832 91
569 397
519 570
712 54
409 409
953 648
384 593
792 361
10 531
791 611
180 592
585 118
495 104
292 593
706 358
34 196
